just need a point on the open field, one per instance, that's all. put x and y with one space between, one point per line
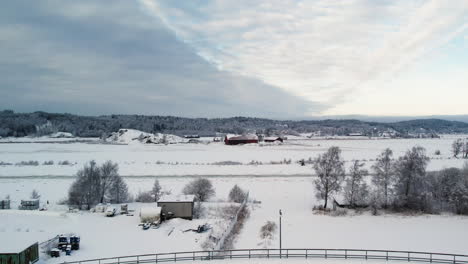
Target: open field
208 159
105 237
273 187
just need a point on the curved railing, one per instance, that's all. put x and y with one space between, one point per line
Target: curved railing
365 254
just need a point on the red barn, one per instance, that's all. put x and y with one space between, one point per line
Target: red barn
244 139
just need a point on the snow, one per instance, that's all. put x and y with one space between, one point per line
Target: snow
15 242
61 135
275 186
132 136
203 159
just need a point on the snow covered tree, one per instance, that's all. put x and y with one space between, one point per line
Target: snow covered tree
267 232
411 171
236 194
202 189
35 194
118 191
156 191
356 190
330 171
457 146
384 177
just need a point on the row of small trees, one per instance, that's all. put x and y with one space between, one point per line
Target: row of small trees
460 148
99 184
400 184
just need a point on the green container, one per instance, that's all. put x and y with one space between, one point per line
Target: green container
29 255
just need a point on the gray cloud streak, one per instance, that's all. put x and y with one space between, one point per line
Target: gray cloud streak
96 57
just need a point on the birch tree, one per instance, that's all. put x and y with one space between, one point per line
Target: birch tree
330 171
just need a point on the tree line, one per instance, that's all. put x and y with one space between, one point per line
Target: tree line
396 184
41 123
96 184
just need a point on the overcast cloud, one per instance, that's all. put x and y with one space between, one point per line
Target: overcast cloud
90 57
213 58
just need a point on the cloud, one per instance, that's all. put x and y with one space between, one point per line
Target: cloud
90 57
326 51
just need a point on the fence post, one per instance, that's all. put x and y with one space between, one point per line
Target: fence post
346 254
156 258
306 253
249 253
454 259
431 258
366 254
175 257
138 259
387 256
118 260
326 255
230 252
408 256
268 253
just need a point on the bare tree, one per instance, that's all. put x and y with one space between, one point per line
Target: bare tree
156 191
35 194
411 172
236 194
201 188
118 191
330 171
93 184
356 190
384 174
457 146
109 171
267 232
465 150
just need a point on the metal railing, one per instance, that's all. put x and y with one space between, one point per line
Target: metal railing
365 254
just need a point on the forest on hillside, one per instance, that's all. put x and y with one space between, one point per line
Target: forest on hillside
41 123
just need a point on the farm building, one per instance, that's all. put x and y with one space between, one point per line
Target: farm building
32 204
4 204
177 206
20 250
244 139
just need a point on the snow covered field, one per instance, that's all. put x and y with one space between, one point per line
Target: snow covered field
281 186
206 159
294 195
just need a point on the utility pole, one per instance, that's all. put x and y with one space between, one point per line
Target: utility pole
280 214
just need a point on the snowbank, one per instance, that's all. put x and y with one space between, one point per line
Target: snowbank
61 135
130 136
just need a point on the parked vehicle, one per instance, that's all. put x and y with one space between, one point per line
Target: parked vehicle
110 211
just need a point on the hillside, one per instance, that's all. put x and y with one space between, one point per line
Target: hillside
41 123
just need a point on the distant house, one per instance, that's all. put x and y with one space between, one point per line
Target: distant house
191 136
32 204
273 139
18 248
180 206
244 139
4 204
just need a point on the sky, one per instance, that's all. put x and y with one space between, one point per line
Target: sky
217 58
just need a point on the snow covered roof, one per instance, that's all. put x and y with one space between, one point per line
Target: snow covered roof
177 198
15 242
243 137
